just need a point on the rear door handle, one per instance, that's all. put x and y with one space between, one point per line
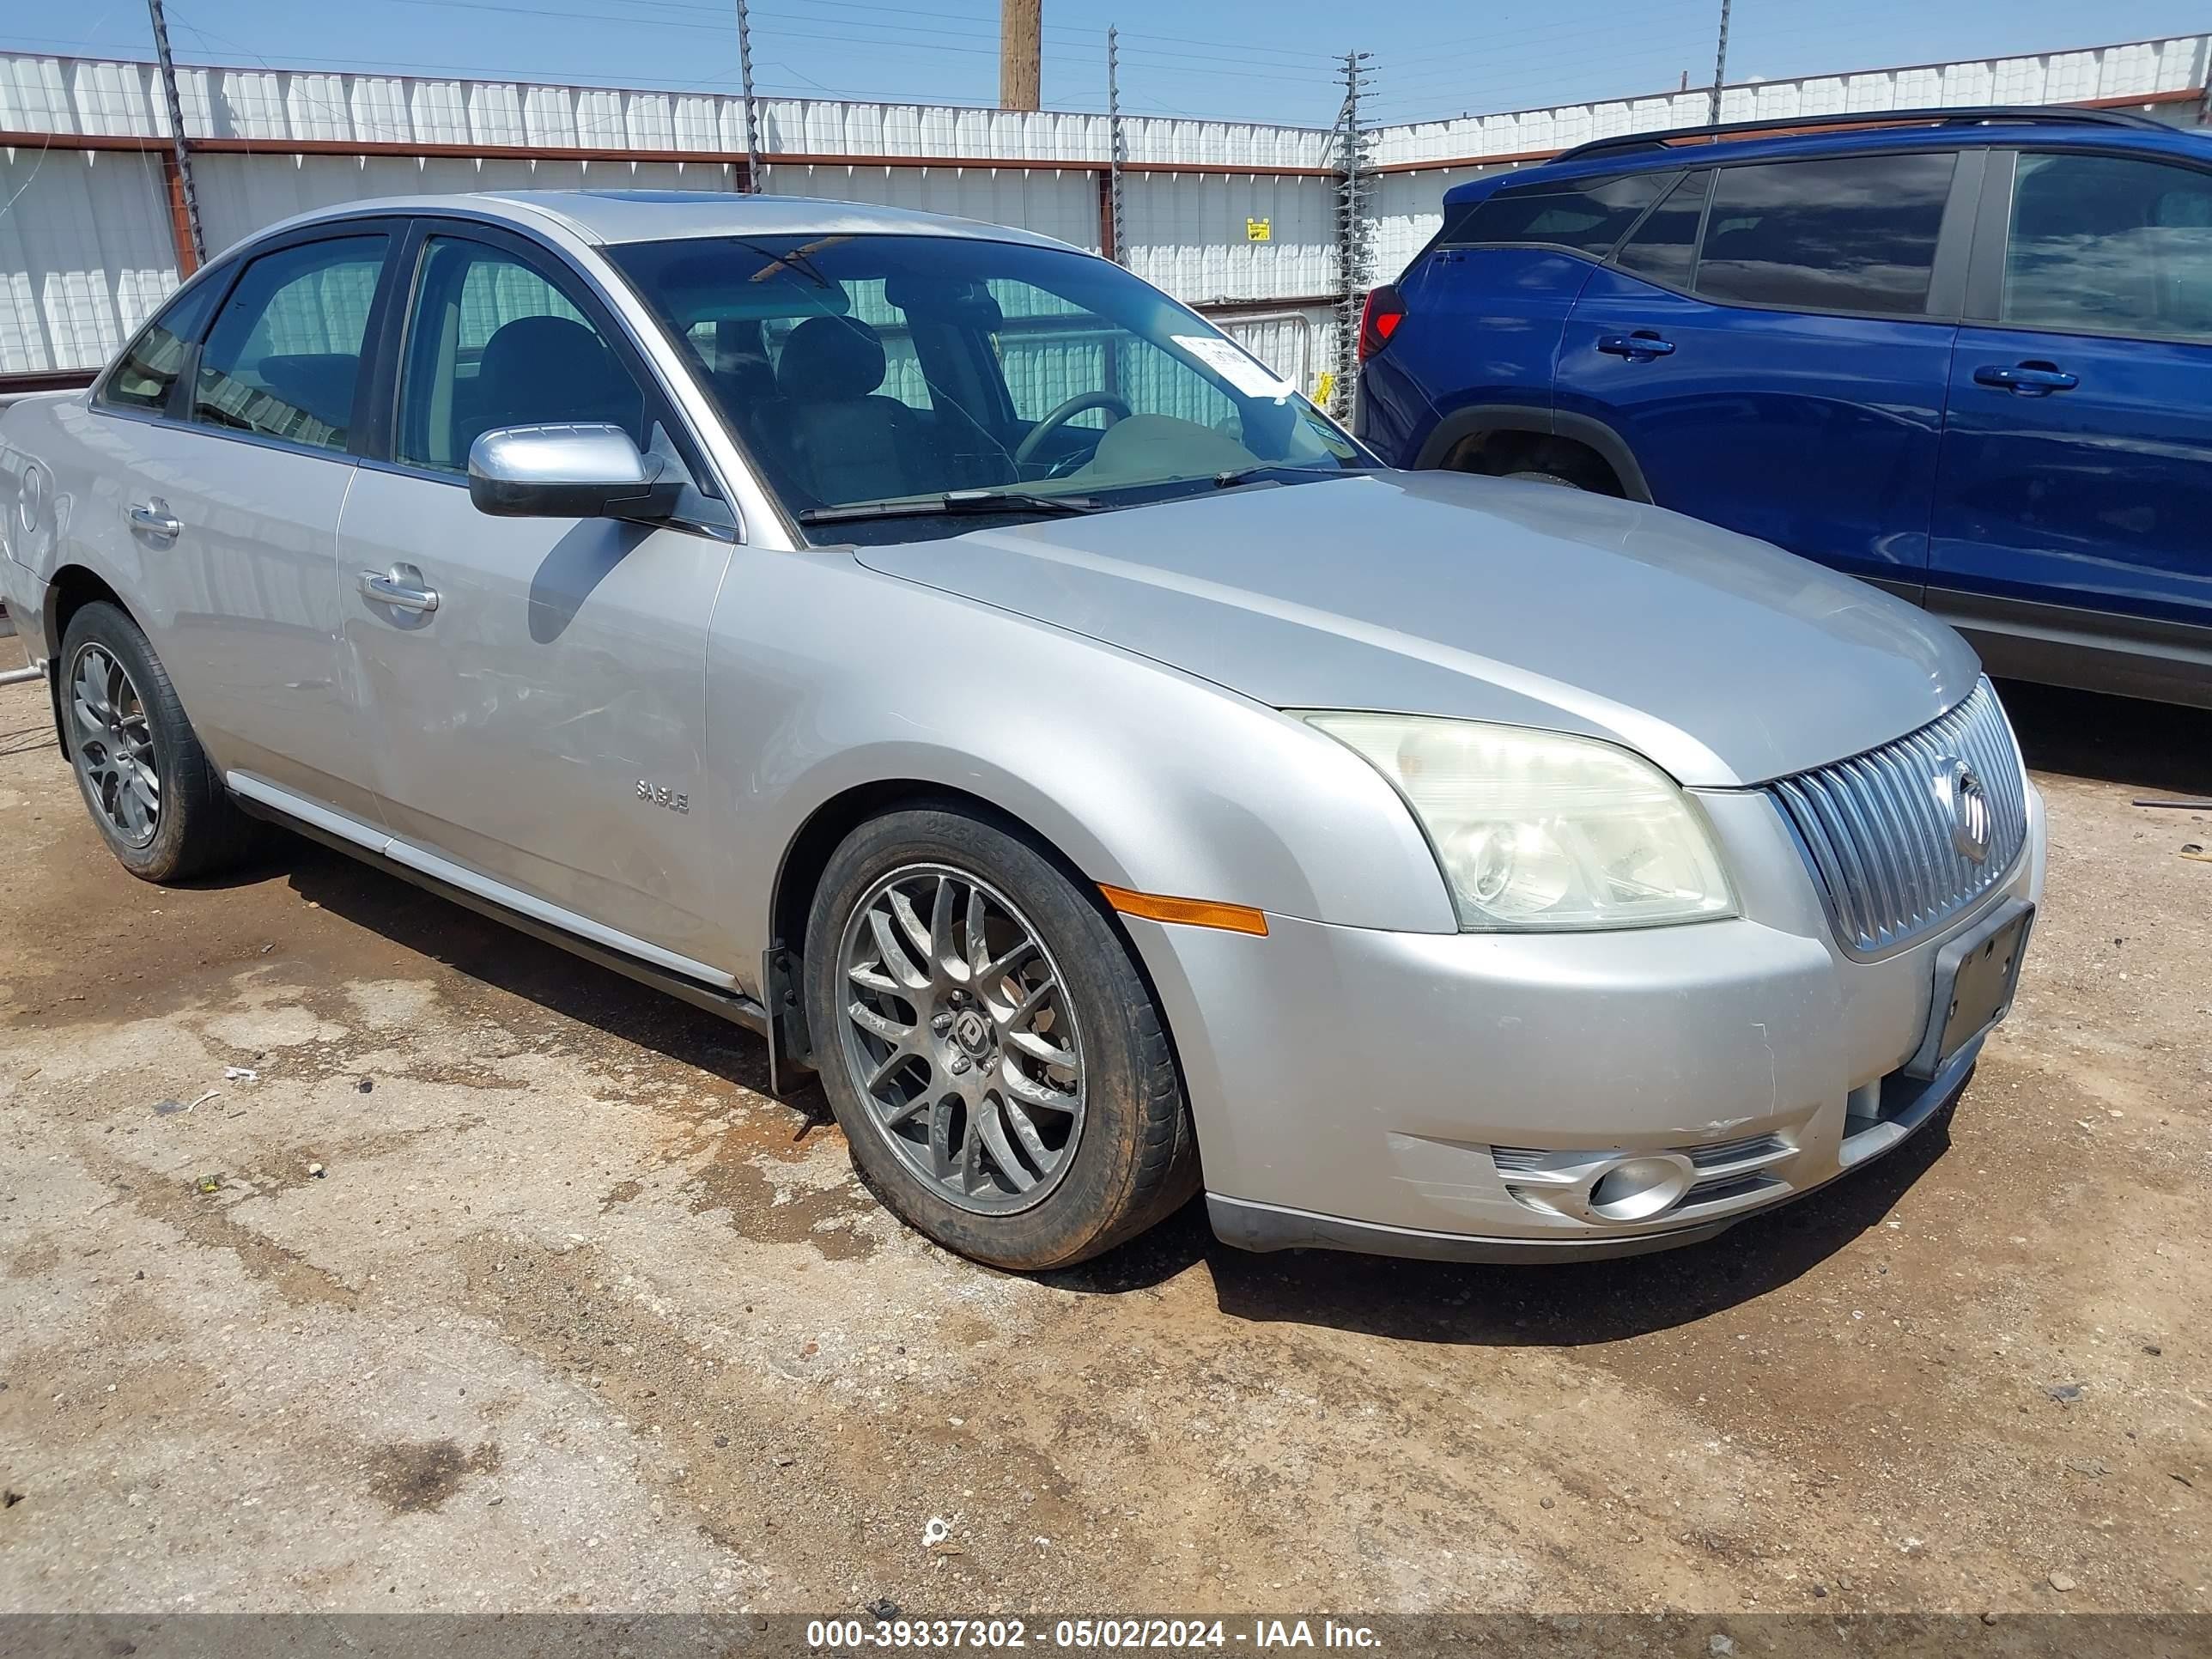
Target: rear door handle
1638 347
401 587
2030 379
153 518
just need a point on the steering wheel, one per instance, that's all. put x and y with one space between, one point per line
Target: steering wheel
1026 450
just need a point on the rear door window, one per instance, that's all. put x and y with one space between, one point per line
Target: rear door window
2110 245
284 355
1586 214
1852 232
1664 247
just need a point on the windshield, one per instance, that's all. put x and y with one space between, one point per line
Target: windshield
896 370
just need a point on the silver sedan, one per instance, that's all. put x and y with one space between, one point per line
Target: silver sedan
940 651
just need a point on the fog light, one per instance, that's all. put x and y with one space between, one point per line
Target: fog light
1639 1189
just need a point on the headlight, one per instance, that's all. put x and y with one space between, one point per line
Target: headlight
1535 831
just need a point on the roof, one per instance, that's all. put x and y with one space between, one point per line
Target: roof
1767 144
611 216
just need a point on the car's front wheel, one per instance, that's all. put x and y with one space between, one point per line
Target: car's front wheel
152 791
996 1061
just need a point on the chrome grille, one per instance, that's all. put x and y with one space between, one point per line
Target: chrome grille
1876 830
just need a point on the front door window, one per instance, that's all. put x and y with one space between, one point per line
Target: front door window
492 343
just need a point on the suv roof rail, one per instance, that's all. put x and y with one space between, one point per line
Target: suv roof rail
2050 114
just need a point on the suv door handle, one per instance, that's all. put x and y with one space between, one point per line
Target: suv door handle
401 587
1638 347
153 518
2029 380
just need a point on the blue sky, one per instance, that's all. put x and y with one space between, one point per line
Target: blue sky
1244 59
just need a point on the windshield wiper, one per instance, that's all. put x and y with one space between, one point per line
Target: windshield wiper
1266 470
953 503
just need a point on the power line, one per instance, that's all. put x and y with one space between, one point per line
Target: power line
1246 48
1192 39
1473 88
1152 59
669 23
1638 46
1694 20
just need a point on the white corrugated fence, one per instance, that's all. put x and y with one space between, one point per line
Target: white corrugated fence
1240 216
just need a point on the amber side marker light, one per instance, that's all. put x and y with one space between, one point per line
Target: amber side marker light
1195 913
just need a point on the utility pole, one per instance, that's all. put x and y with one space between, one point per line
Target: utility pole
1021 35
1353 244
1117 151
181 150
753 180
1720 65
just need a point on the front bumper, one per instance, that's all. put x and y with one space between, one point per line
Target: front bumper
1421 1094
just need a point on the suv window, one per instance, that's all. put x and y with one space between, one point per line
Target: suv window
1845 233
284 353
492 342
149 368
2108 244
1664 247
1588 214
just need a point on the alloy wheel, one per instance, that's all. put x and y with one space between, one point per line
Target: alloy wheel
114 743
959 1038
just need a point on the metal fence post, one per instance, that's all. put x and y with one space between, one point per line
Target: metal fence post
1117 150
1720 67
1354 241
181 150
753 180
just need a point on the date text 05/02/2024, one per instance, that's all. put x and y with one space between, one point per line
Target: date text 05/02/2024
1085 1635
831 1636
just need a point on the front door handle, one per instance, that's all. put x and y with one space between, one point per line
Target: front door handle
153 518
400 588
1639 346
2029 380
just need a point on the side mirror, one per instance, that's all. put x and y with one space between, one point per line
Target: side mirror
567 472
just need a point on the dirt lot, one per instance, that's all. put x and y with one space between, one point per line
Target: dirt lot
575 1317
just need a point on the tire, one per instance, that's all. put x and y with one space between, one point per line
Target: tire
960 1168
191 826
1534 477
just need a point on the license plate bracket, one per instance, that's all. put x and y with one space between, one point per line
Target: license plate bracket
1975 977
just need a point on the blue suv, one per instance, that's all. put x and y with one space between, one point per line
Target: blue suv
1963 354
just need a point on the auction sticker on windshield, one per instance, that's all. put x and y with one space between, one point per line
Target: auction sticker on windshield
1235 365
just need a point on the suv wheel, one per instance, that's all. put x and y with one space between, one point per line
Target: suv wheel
149 786
995 1059
1544 478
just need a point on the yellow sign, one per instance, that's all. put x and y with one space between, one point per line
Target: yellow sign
1259 230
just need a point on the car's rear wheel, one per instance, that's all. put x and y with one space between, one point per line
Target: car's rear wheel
152 793
994 1058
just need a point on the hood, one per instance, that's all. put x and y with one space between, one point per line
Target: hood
1720 658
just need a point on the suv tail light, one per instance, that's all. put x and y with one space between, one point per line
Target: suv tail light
1380 320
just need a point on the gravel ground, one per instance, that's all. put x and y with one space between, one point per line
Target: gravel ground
513 1292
